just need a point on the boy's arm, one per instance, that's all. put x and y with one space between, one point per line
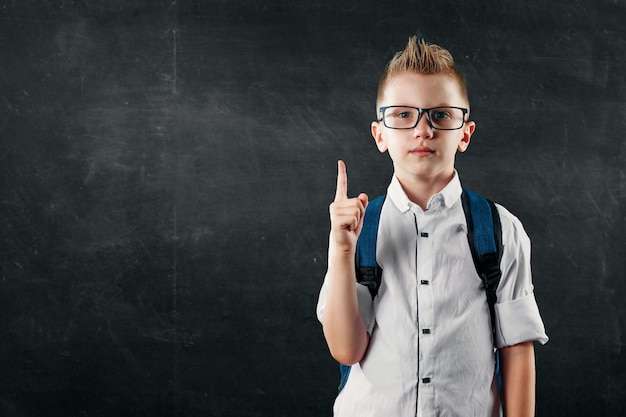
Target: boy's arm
343 324
518 379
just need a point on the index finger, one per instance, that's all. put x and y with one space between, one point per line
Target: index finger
342 182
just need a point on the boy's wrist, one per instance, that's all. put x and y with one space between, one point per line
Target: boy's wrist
344 253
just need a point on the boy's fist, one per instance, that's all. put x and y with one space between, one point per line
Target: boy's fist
346 214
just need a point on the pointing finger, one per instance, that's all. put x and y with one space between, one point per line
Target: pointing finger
342 182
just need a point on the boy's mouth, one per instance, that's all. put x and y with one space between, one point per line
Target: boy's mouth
422 151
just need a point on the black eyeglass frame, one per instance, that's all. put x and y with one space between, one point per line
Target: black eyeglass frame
422 111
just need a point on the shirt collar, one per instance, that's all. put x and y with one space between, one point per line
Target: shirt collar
449 195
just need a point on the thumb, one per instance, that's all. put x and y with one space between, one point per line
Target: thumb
364 199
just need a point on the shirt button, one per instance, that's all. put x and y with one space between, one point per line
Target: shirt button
424 234
425 331
426 380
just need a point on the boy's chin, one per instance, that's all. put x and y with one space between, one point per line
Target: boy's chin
425 171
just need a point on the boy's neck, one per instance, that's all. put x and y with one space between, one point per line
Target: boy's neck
420 190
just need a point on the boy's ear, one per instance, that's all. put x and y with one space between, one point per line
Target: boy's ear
468 131
377 133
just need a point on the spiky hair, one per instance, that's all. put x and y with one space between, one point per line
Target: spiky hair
421 57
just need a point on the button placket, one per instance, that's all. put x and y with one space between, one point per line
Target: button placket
424 272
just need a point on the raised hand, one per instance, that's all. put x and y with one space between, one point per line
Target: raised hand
346 214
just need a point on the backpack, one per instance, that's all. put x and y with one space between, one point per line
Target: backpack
484 235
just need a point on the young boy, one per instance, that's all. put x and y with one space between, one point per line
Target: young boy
423 346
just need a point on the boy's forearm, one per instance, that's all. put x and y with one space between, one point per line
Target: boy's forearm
344 327
518 379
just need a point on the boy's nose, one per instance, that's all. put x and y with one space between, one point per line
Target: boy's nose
422 129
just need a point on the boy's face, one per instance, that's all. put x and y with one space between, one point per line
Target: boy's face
422 153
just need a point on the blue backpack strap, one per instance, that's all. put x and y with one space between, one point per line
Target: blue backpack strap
368 272
484 235
345 373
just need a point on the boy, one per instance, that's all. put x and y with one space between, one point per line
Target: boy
423 345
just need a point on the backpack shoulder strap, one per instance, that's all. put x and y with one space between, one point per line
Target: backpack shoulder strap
368 272
484 235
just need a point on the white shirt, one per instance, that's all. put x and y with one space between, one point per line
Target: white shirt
431 350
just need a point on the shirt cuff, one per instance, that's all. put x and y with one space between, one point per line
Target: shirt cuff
519 321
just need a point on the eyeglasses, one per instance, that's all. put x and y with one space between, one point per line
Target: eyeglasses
406 117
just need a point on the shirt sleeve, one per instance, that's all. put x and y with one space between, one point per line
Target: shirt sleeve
517 314
363 295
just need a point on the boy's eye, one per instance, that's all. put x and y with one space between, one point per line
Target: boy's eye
403 113
439 114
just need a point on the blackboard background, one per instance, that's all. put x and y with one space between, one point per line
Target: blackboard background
166 168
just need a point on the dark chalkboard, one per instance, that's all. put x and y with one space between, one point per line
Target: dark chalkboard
166 168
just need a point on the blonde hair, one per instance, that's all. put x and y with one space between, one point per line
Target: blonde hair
421 58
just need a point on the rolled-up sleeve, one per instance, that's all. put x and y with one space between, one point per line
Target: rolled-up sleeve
519 321
363 295
365 304
517 314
